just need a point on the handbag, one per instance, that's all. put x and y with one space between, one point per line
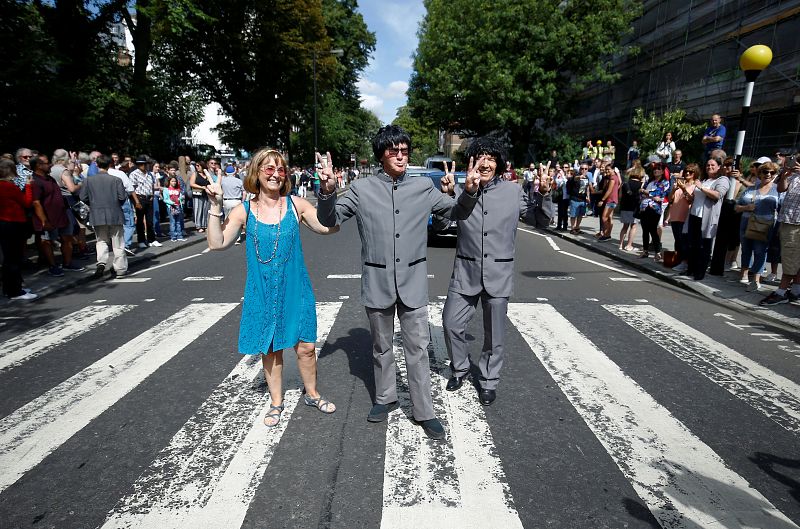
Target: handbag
81 210
757 229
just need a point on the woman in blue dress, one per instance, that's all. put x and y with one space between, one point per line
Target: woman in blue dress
279 310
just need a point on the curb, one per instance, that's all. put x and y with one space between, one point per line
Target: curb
698 288
84 278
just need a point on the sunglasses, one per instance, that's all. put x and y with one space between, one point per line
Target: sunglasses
769 172
689 171
393 152
269 170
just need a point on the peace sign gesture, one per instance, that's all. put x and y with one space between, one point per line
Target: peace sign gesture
327 183
473 174
448 181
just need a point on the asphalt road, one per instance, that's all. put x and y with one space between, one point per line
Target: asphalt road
624 402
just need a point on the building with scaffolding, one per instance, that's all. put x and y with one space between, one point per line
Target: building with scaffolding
689 58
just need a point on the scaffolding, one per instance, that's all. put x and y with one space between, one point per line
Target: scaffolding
689 58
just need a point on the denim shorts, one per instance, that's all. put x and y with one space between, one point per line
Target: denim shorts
577 208
55 234
611 205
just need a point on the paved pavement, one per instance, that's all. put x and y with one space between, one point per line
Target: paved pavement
725 290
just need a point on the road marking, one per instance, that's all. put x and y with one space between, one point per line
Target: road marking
198 299
203 278
344 297
684 483
552 244
131 279
723 315
599 264
40 340
460 480
344 276
164 264
640 300
592 299
150 300
206 250
11 318
35 430
773 395
542 299
630 279
99 301
210 471
531 232
555 278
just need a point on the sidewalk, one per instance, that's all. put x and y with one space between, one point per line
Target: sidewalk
724 290
40 282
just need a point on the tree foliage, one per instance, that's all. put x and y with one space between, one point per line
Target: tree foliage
652 127
512 66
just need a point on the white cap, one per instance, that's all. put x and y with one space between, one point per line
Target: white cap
764 159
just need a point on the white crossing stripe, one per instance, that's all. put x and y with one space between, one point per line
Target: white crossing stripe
555 278
628 279
684 483
358 276
427 481
32 432
131 279
203 278
210 471
773 395
40 340
552 244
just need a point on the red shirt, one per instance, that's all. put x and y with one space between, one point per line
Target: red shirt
47 192
13 202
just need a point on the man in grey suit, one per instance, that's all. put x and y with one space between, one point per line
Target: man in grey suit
392 211
105 195
484 267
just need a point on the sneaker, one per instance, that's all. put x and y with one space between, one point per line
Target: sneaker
771 278
682 267
142 246
129 251
25 296
72 267
774 299
733 265
56 271
156 244
744 281
755 286
181 239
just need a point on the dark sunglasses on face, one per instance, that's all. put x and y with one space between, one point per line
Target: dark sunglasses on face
393 152
690 171
769 172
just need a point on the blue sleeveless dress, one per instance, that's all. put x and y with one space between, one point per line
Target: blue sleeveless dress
279 309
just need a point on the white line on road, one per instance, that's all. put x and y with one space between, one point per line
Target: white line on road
198 299
641 300
555 278
203 278
357 276
542 299
684 483
531 232
773 395
210 471
164 264
131 280
599 264
552 244
206 250
32 432
150 300
47 337
592 299
99 301
460 480
344 297
629 279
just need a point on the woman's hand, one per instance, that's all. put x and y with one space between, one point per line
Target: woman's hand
214 192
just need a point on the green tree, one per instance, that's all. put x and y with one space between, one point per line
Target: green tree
515 66
652 127
424 138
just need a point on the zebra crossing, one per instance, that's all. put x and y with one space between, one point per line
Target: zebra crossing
209 472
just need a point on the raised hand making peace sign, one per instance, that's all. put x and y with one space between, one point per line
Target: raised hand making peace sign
327 183
448 181
474 171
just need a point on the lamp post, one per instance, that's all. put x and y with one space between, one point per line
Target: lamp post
753 61
338 52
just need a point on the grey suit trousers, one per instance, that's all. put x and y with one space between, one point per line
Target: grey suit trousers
457 313
416 336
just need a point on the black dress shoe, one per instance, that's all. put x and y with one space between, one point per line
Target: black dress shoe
380 412
433 428
98 273
487 396
456 381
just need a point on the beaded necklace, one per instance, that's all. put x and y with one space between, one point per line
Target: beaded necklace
277 236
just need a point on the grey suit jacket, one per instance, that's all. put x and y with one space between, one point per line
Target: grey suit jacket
393 223
487 240
105 194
